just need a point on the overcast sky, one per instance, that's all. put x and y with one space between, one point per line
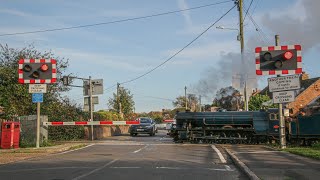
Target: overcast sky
119 52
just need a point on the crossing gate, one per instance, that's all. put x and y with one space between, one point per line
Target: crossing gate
85 123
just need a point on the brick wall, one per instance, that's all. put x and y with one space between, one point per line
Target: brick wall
101 132
305 98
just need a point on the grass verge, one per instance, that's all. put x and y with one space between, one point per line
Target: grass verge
311 152
77 147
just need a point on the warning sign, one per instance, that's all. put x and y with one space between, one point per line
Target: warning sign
283 97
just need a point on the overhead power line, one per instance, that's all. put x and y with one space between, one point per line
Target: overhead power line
113 22
178 52
247 11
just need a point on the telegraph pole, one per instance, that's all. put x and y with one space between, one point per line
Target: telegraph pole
243 76
200 109
282 135
185 96
118 100
91 105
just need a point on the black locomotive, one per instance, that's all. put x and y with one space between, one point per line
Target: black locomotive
250 127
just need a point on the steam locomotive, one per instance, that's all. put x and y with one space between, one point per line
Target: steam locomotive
249 127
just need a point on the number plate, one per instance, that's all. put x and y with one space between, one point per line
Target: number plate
140 129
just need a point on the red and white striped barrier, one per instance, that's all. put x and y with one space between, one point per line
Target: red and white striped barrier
278 72
168 120
84 123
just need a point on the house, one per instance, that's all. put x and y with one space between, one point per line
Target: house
306 95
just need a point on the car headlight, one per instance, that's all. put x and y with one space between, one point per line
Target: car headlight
149 127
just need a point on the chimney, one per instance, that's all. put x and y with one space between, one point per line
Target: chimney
304 76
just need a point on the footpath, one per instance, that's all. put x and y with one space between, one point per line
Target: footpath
265 163
20 154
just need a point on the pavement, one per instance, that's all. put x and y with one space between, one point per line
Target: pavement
20 154
267 163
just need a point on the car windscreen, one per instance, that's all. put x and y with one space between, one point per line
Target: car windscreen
145 121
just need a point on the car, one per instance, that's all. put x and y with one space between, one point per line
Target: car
146 126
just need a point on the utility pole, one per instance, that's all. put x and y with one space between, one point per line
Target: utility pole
282 135
185 96
91 105
200 109
118 100
243 76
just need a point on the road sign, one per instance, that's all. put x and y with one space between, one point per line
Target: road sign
97 87
86 108
37 97
284 83
37 71
95 100
37 88
274 60
283 97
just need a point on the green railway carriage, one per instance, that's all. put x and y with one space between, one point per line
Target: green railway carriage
305 129
222 127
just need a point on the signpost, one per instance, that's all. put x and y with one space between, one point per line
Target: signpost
284 83
37 97
277 60
283 97
37 88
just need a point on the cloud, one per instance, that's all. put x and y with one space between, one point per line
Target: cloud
299 24
183 5
15 12
209 51
127 63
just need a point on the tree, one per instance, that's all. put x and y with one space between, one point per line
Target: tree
126 100
16 100
256 102
192 102
228 98
14 97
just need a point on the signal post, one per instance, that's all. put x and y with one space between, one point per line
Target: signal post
37 73
280 60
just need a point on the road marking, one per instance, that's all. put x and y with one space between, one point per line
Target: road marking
219 154
39 169
212 169
253 152
174 168
228 168
125 167
140 149
95 170
65 152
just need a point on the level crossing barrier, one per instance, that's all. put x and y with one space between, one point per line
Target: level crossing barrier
85 123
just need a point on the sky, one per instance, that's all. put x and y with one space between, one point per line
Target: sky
120 52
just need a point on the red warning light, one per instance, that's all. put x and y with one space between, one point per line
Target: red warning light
44 67
288 55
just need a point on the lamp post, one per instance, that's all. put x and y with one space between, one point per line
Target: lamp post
232 29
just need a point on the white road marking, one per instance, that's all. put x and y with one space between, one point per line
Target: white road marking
95 170
212 169
125 167
253 152
174 168
219 154
140 149
75 149
52 168
228 168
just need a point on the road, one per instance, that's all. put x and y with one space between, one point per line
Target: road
125 157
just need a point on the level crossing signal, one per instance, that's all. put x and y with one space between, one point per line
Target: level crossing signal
278 60
37 71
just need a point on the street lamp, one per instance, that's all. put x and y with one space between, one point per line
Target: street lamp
233 29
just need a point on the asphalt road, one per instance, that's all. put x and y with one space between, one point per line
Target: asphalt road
125 157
